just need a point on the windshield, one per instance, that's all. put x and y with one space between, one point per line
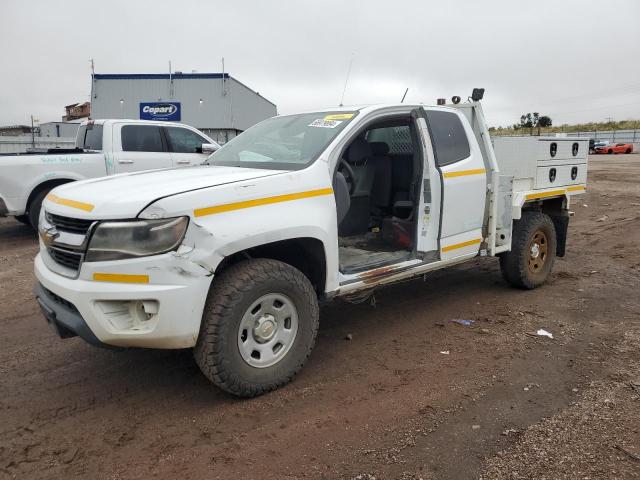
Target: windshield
292 142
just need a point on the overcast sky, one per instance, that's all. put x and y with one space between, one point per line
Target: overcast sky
574 60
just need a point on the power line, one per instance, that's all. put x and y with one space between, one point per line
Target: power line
632 89
596 108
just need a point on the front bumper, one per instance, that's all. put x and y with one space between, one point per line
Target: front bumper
113 312
63 317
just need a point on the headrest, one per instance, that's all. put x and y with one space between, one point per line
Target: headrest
359 150
379 148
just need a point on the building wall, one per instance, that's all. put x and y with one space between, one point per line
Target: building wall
205 101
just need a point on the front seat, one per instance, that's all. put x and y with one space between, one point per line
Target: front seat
381 161
356 221
359 156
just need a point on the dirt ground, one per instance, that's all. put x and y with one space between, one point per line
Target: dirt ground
387 404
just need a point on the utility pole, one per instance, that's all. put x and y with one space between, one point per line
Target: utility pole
33 134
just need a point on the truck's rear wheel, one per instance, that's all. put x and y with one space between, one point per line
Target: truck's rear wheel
258 328
34 208
23 219
533 251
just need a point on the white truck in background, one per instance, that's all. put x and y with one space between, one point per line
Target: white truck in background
103 147
232 258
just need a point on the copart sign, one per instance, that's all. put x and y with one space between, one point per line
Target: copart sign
169 111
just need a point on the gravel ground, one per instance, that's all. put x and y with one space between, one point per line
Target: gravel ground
386 404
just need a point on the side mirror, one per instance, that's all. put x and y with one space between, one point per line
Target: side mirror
209 147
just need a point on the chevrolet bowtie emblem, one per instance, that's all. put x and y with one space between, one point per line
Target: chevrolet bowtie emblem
49 235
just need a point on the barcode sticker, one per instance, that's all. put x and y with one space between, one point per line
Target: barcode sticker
325 123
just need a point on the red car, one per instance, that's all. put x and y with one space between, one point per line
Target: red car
616 148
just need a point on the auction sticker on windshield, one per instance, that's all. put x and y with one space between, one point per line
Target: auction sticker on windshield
325 123
339 116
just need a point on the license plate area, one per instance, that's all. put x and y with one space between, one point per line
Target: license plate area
49 316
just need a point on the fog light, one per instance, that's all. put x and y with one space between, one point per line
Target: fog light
129 315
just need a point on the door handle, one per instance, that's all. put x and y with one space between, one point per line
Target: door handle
125 161
183 162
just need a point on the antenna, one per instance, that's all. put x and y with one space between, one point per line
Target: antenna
347 79
405 95
224 82
170 81
93 80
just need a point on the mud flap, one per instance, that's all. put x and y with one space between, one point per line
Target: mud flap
561 223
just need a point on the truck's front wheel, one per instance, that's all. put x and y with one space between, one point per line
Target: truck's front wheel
533 251
258 327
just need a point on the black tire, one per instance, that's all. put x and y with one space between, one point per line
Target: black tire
610 152
34 208
627 151
23 219
232 293
519 267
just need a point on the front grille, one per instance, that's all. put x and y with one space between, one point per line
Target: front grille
67 258
67 224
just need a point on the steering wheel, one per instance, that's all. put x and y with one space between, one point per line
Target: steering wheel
350 177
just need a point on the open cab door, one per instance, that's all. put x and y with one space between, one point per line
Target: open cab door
454 186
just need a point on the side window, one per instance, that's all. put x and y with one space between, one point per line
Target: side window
182 140
448 136
141 138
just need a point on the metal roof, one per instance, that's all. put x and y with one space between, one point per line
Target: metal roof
156 76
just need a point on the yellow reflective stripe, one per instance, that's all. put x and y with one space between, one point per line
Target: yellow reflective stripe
227 207
455 246
87 207
463 173
120 278
552 193
577 188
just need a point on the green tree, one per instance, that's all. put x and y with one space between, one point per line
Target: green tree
545 122
533 120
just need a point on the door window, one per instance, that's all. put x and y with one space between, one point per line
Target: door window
182 140
397 138
142 138
449 139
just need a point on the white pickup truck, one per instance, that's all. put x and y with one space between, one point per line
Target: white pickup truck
103 147
231 259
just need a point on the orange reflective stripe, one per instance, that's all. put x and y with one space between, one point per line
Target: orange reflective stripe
463 173
120 278
227 207
455 246
87 207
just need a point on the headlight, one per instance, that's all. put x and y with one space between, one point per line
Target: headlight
138 238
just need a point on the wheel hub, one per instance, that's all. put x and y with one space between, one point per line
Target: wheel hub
538 251
535 250
265 328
